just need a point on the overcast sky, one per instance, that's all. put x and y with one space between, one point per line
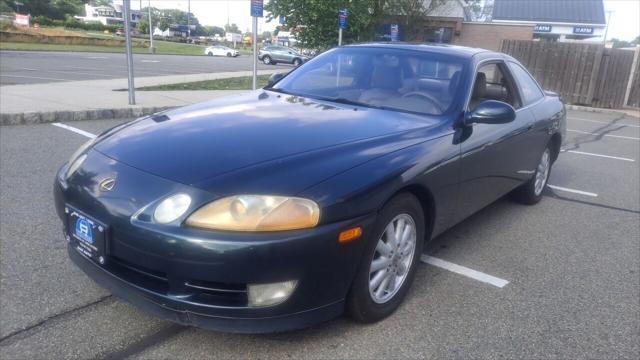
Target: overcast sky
625 14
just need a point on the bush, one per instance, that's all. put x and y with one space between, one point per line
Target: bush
45 21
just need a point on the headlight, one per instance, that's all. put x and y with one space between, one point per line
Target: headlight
256 213
171 208
78 157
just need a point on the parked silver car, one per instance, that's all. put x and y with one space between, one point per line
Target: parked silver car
274 54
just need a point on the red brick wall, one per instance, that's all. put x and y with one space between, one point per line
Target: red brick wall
489 35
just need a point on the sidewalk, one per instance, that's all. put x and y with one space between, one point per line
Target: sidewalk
96 99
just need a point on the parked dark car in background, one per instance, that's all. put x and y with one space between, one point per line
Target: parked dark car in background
273 54
288 205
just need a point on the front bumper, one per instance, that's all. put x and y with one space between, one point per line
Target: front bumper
179 312
156 267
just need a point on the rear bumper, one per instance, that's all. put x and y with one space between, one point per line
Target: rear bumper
167 309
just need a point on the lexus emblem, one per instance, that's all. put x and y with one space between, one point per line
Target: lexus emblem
107 184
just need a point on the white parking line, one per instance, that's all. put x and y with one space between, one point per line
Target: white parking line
598 155
150 61
75 130
33 77
560 188
476 275
603 122
613 136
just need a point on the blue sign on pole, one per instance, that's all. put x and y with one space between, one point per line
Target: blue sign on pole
394 32
342 18
257 7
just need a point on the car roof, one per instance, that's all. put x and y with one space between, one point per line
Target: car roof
445 49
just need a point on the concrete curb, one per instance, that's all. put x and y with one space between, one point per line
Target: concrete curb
31 118
601 110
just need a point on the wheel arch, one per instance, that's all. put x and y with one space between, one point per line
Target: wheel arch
555 143
427 202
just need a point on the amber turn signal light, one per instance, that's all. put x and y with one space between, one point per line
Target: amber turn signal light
350 234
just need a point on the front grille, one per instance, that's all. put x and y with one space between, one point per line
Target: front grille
221 293
198 291
146 278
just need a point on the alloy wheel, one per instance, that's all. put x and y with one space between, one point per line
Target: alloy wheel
392 258
542 172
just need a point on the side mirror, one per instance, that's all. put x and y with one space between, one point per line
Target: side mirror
491 112
273 79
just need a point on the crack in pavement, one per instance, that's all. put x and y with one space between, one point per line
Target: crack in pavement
40 325
590 138
146 342
550 193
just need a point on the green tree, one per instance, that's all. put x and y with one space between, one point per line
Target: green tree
212 30
233 28
317 21
163 18
54 9
5 7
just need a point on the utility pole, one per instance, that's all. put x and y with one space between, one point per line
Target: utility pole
127 31
257 10
151 49
189 19
606 29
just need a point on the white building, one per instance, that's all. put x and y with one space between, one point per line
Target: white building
555 20
108 15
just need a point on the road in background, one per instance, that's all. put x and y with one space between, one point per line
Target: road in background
571 261
31 67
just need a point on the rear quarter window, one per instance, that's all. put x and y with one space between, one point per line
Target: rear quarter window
528 86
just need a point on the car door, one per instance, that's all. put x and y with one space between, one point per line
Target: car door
492 154
278 54
546 116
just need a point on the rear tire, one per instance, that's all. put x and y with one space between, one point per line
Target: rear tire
297 62
387 269
530 193
266 60
210 53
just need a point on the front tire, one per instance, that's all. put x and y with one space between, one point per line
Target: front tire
266 60
530 193
297 62
210 53
389 262
228 54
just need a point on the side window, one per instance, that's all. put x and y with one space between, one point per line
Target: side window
530 90
492 84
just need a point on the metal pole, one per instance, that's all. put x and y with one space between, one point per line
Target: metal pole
255 53
189 20
151 50
606 29
632 74
127 30
340 37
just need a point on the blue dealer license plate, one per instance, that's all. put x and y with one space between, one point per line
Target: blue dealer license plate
88 235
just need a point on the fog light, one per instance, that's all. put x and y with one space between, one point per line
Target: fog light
270 294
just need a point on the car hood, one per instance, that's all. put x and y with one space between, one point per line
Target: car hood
273 135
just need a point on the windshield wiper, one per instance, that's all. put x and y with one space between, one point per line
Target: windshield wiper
341 100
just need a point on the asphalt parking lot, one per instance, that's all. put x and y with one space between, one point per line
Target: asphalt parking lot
31 67
564 275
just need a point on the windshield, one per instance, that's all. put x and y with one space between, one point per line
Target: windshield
403 80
